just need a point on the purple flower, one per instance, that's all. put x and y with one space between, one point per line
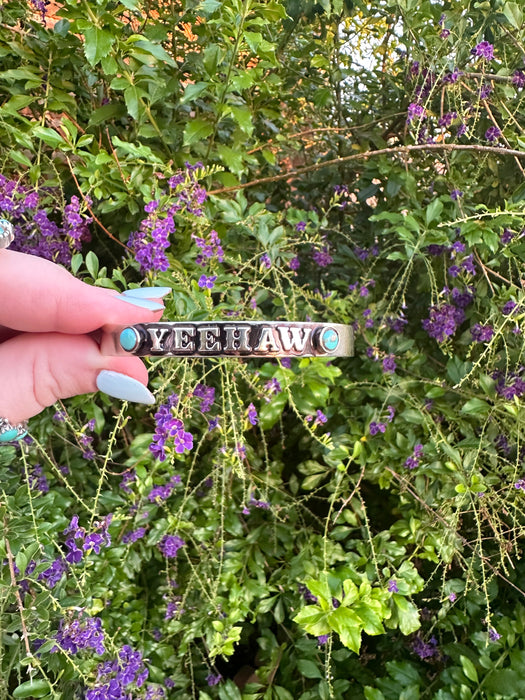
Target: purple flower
210 248
301 226
492 134
506 236
509 307
452 597
134 535
81 632
323 639
389 365
413 461
294 263
322 258
484 50
212 679
520 485
258 503
392 586
481 334
415 111
494 635
443 321
425 650
447 119
376 428
320 418
518 78
391 412
207 282
456 194
265 260
207 394
252 414
170 545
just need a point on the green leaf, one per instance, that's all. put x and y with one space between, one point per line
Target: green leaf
308 668
469 669
476 407
514 14
155 50
132 96
196 130
32 689
193 91
313 620
348 626
97 44
369 612
408 614
48 135
92 264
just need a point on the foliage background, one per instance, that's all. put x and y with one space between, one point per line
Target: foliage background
348 529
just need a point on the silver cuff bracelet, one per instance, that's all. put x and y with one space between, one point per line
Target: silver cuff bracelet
230 339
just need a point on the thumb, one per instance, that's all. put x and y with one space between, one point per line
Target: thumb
37 369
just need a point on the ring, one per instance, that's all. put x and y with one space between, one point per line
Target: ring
9 432
6 233
230 339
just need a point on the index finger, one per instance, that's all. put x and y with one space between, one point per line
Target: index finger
38 296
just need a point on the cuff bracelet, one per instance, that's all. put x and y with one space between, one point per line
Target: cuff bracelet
230 339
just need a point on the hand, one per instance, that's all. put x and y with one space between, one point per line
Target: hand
46 352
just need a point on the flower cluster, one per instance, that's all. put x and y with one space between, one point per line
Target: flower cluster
151 241
116 678
79 633
77 544
167 426
170 545
413 461
481 334
207 396
425 650
163 492
443 321
36 229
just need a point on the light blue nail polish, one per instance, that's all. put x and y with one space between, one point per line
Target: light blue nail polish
120 386
142 303
148 292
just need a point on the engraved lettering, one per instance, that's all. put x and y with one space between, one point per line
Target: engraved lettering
183 338
294 338
209 339
157 336
266 341
237 339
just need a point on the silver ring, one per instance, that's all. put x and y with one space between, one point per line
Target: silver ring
10 432
230 339
6 233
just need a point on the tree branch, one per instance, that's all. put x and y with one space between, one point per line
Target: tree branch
394 150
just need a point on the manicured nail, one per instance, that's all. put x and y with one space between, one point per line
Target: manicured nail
148 292
120 386
142 303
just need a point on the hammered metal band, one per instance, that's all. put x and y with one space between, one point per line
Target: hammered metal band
6 233
10 432
230 339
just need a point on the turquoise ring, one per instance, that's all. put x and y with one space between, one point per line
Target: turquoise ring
6 233
11 433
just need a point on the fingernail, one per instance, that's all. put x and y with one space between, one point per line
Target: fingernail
148 292
120 386
142 303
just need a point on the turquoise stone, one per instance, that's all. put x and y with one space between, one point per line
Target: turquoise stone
9 435
330 339
128 339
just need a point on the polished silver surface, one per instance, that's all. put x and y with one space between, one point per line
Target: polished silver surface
10 432
6 233
230 339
